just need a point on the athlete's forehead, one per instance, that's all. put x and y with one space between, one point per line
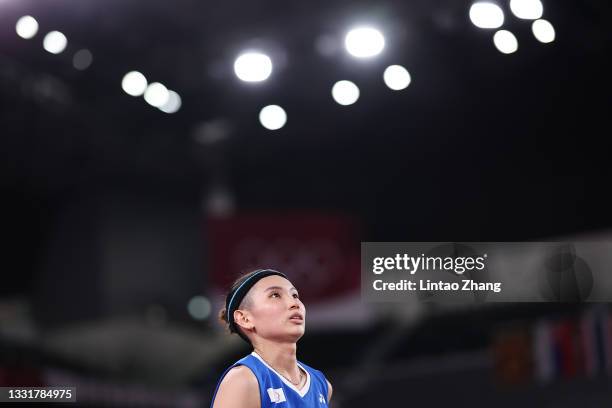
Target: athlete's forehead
273 282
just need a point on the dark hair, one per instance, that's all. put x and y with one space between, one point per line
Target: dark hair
242 289
223 312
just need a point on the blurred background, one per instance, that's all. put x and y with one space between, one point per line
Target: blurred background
152 150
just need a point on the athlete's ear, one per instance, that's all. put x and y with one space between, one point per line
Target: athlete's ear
243 319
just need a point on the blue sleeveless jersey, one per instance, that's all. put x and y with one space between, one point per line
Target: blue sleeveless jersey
276 391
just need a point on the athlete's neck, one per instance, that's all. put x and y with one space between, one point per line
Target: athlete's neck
281 356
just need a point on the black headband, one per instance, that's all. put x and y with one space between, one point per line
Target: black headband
234 298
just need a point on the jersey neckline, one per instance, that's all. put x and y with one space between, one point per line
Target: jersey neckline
301 392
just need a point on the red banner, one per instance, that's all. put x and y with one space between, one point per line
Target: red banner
318 252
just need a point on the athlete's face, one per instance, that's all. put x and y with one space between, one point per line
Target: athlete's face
276 309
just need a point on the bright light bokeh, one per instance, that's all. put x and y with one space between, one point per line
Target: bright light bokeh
345 92
134 83
505 42
173 104
397 77
55 42
156 94
527 9
26 27
253 67
364 42
273 117
543 31
486 15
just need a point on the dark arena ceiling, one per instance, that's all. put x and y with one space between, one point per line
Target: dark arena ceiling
480 146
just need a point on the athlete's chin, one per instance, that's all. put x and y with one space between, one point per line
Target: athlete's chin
297 332
301 329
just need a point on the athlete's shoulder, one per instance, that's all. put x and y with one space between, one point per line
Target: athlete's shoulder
241 373
238 389
330 390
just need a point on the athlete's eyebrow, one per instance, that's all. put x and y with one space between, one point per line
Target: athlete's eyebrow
278 288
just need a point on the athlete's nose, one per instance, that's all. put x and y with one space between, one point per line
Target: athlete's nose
295 303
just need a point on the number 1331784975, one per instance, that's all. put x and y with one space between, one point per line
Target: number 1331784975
39 393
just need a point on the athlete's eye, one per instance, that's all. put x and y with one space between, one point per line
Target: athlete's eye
295 295
274 294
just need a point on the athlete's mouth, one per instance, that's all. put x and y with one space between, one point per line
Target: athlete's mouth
297 317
